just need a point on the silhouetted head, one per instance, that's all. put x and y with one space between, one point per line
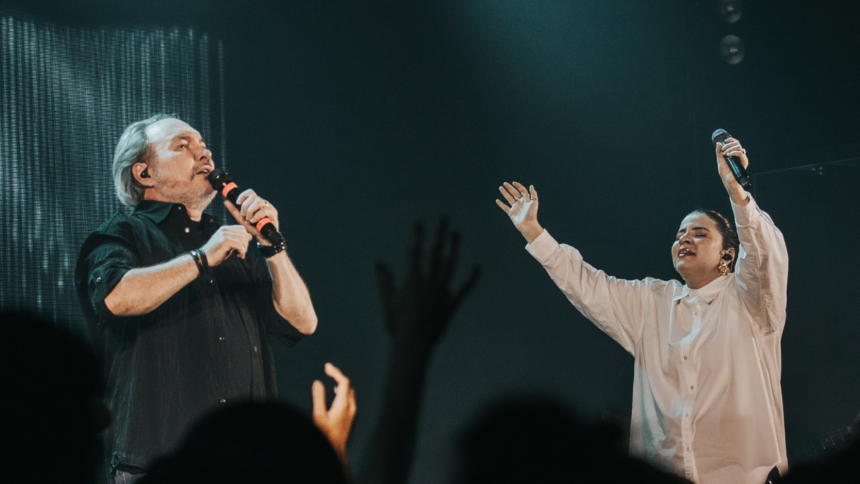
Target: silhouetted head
528 440
520 440
251 443
52 411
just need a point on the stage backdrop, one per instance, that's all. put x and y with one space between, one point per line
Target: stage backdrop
67 95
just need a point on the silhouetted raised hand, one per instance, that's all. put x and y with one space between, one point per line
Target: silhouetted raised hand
416 313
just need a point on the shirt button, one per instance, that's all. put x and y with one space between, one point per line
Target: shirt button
685 357
691 387
255 349
187 230
687 415
220 338
211 281
688 449
694 314
225 401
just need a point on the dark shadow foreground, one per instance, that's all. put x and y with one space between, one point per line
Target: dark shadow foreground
53 415
251 443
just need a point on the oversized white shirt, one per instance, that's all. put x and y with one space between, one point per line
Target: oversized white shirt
707 402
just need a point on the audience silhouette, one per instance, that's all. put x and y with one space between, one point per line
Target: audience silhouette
416 315
53 415
535 439
260 442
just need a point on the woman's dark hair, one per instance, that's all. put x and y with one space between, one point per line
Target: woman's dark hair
727 230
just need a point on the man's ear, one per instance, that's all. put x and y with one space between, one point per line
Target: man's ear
142 175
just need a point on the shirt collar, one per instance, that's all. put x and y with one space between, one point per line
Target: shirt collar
158 212
707 293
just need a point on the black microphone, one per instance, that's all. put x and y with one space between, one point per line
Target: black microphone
222 183
720 136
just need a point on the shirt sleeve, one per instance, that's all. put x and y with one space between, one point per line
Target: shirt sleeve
107 259
616 306
272 321
762 268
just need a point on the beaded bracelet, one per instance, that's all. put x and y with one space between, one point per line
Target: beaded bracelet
271 250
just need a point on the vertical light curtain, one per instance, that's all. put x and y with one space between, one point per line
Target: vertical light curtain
66 95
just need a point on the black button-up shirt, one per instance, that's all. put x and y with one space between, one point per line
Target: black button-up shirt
203 347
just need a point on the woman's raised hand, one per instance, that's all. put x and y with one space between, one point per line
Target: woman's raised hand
522 208
732 147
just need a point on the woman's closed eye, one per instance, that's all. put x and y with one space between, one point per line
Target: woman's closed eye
697 234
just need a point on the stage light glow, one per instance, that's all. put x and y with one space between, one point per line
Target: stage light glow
732 49
730 10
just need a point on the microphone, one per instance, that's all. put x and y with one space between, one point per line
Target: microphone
737 167
222 183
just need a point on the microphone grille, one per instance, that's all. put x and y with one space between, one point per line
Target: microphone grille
218 179
719 136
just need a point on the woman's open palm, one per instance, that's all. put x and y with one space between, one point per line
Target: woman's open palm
522 208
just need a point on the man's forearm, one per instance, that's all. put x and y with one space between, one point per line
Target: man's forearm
290 295
142 290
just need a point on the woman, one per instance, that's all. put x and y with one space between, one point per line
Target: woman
707 402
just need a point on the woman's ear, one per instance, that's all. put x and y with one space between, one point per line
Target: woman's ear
141 175
729 255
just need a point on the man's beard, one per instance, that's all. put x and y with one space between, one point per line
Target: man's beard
203 199
199 197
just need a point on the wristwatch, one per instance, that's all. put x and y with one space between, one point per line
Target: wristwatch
270 250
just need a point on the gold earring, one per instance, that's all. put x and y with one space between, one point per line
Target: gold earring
724 268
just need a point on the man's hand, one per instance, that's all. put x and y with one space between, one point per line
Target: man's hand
335 423
732 147
522 210
253 209
418 312
225 241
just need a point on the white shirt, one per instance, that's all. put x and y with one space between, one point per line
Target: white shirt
707 402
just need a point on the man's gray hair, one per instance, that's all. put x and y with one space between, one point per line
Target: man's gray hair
132 148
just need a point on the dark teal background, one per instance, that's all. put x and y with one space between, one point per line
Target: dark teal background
357 118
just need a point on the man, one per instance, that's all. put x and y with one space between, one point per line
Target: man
178 305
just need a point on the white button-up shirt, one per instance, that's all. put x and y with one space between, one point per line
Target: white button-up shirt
707 402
